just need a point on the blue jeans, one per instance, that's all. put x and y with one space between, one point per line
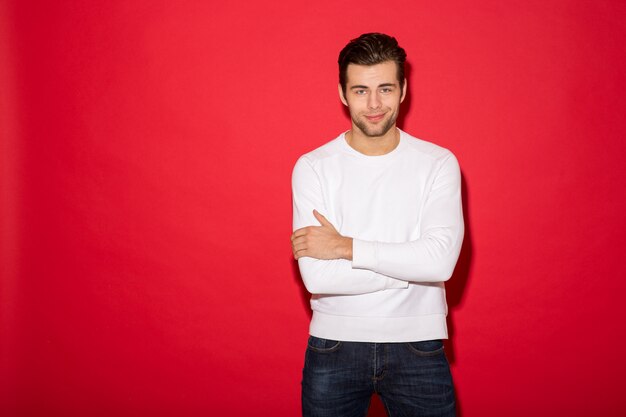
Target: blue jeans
412 379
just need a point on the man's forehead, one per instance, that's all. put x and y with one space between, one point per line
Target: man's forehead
385 72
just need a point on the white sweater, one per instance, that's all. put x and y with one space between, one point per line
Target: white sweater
403 211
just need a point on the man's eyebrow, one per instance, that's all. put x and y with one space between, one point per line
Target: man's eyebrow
364 87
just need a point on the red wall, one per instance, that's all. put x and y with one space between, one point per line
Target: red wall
147 149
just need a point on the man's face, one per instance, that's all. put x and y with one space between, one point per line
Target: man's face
373 96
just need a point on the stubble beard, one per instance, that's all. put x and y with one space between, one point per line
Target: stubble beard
374 131
377 130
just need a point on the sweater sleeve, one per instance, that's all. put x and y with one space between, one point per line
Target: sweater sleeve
335 276
432 257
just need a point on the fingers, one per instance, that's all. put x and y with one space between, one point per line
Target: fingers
298 248
297 254
299 233
298 242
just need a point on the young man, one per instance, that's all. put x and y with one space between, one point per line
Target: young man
378 229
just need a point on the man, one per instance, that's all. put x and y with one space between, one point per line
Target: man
378 229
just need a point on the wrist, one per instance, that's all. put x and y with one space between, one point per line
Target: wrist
346 248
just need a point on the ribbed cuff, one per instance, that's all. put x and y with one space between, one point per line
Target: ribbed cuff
364 255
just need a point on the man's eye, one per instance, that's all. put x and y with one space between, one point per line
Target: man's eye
360 92
385 90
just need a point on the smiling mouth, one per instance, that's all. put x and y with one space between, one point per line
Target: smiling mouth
375 117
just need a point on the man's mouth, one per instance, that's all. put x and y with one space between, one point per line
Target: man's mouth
375 117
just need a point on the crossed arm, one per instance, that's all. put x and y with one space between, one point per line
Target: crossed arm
334 264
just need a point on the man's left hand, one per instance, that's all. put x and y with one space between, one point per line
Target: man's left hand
321 242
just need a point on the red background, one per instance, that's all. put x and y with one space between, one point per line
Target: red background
147 149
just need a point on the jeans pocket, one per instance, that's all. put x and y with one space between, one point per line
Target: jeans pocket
317 344
426 347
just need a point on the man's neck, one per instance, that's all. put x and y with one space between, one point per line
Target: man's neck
373 145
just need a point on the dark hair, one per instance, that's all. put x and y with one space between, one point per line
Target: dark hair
371 49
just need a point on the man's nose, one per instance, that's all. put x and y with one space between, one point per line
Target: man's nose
373 101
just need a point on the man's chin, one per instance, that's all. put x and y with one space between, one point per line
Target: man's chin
375 131
375 135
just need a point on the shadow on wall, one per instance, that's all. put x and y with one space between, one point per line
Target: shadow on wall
455 287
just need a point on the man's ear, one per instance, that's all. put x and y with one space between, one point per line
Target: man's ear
341 95
403 91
